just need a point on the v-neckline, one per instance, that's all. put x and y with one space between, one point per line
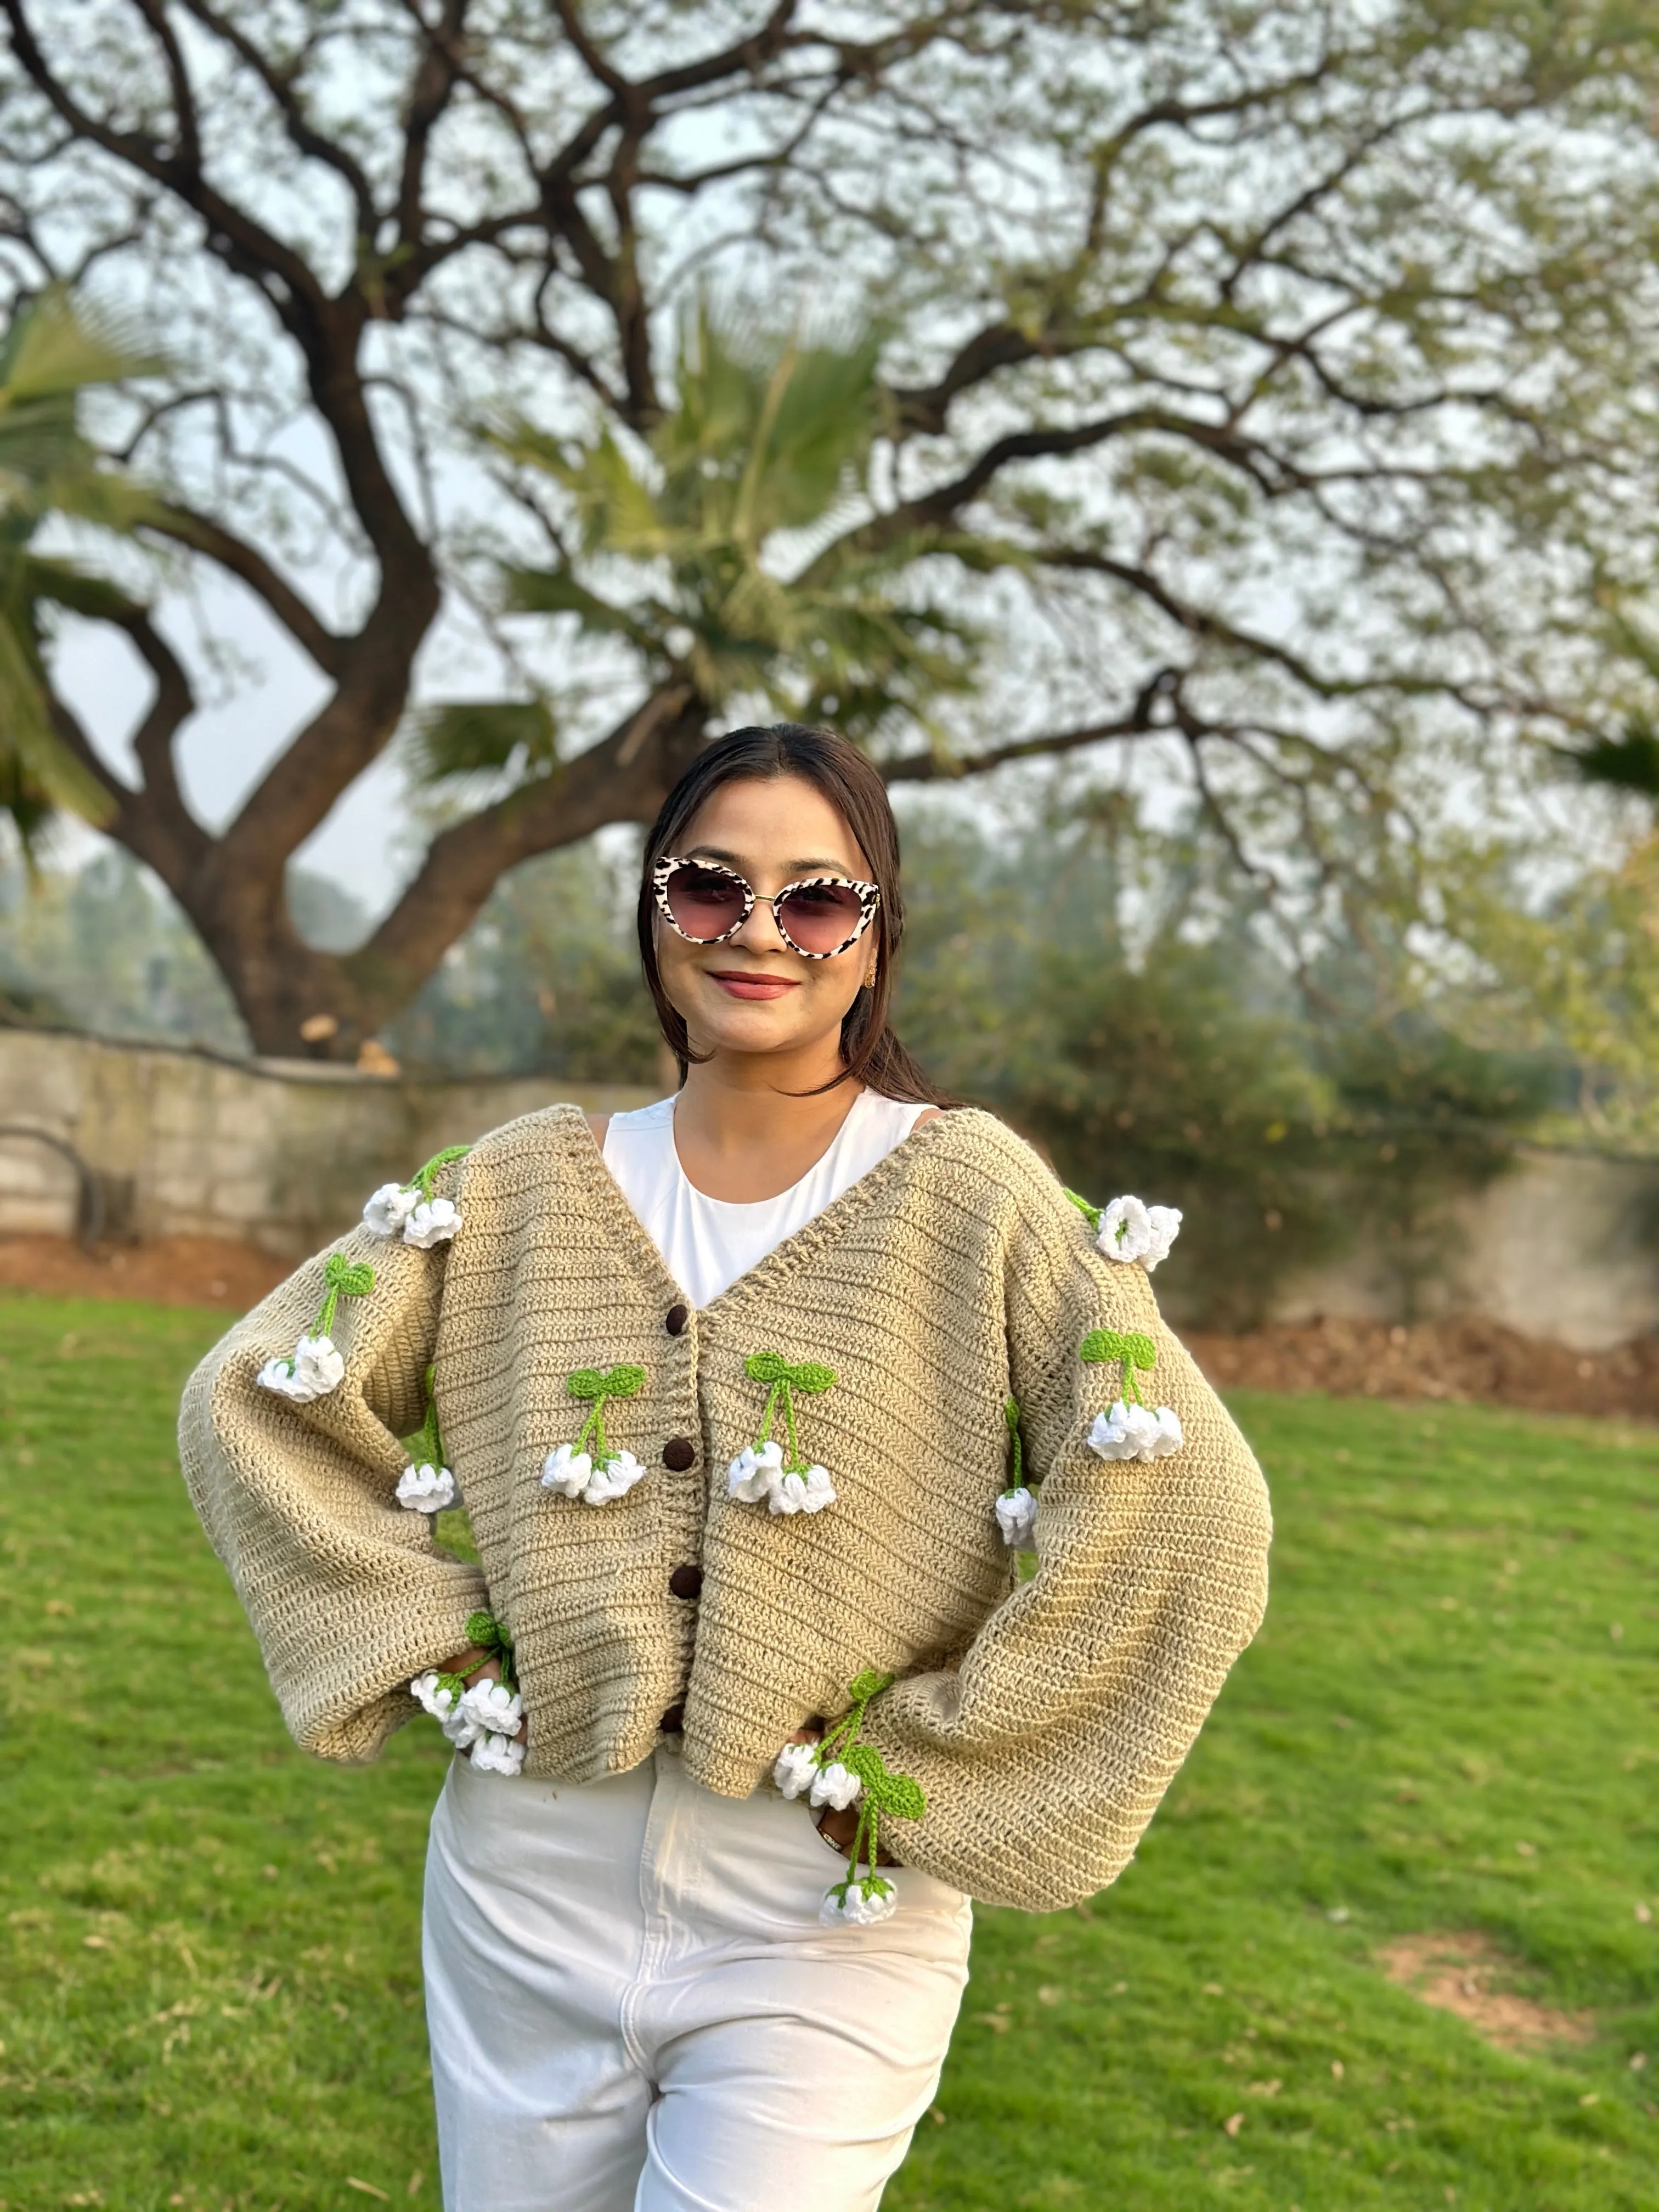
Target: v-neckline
785 1254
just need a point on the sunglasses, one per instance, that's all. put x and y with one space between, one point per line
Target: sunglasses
707 903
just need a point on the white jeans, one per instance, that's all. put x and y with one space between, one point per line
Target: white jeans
634 2008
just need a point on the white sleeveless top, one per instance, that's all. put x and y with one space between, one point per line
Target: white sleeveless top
707 1243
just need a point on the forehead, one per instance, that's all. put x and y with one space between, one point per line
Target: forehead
776 823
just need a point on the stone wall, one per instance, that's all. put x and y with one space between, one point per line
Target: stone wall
1563 1246
282 1154
278 1154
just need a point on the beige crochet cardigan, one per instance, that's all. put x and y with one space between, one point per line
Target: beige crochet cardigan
1044 1719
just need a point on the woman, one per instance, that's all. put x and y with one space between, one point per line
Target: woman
752 1392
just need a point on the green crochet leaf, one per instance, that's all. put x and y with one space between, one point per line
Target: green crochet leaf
888 1792
870 1684
1118 1344
620 1381
482 1628
352 1279
771 1368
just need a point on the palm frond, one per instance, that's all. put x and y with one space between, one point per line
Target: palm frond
482 737
769 443
50 355
1628 762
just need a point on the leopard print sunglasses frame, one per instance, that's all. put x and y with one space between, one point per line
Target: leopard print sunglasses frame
869 897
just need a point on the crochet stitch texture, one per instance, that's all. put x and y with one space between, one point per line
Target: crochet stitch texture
1043 1720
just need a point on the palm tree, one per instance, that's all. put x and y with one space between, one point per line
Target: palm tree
721 552
49 356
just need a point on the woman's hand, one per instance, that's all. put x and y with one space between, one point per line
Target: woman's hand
474 1665
837 1825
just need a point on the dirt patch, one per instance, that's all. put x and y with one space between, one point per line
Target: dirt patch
1456 1360
1449 1360
174 1270
1460 1973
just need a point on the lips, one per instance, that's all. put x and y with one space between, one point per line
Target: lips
738 985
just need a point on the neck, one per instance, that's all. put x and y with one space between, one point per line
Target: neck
747 1126
735 1102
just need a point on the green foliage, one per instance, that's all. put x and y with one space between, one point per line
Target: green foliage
1629 762
547 979
1572 972
211 1987
49 356
466 738
104 948
715 548
1167 1054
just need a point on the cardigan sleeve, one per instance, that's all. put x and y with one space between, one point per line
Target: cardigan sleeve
346 1591
1044 1754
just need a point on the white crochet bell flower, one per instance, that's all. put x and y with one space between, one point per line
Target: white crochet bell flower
491 1709
439 1701
389 1208
426 1489
315 1368
567 1471
1170 1436
795 1768
751 1475
614 1480
498 1754
1136 1432
1017 1518
835 1785
573 1474
433 1221
1130 1231
861 1906
808 1493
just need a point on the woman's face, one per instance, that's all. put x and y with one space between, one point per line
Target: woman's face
752 995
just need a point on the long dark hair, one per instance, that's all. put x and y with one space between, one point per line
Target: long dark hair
873 1054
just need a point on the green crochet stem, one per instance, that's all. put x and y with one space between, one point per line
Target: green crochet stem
845 1732
485 1630
426 1446
1130 1345
345 1279
896 1796
1011 1415
808 1375
422 1178
620 1382
1091 1213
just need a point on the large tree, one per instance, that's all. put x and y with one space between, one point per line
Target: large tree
1259 385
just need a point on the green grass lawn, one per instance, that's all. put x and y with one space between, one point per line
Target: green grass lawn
210 1994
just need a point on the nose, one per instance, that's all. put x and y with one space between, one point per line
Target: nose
759 933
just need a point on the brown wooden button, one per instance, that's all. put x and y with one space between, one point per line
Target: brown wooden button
673 1721
678 1452
675 1319
686 1582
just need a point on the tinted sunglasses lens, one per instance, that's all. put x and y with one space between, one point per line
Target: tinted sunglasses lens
703 903
820 917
